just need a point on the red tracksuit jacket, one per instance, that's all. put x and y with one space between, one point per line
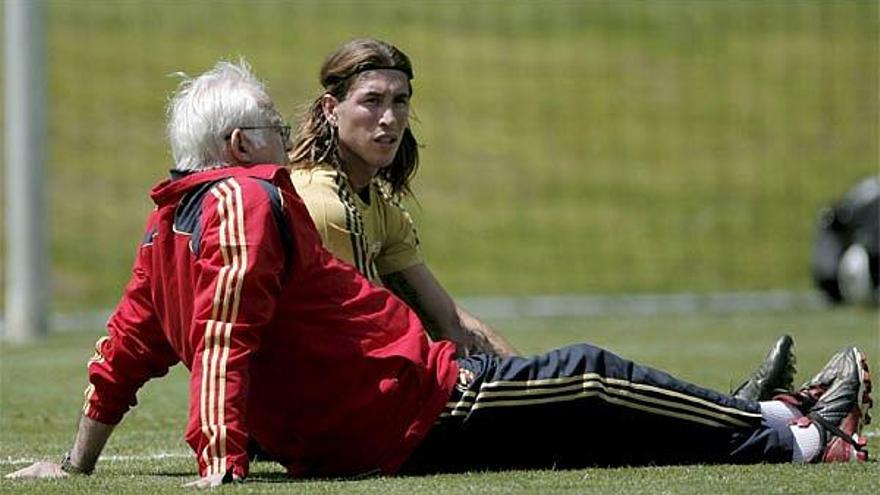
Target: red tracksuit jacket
285 344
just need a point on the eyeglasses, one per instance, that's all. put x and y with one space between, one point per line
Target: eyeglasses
283 130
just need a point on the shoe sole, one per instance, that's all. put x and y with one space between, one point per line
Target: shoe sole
864 395
865 403
850 445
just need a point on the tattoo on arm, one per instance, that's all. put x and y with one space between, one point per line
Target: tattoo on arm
443 319
397 283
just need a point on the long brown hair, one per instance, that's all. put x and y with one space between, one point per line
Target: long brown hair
316 140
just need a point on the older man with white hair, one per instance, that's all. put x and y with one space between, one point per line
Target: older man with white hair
296 351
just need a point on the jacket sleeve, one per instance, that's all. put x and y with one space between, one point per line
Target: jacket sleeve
133 351
240 266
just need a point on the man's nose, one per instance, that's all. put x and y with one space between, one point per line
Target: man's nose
388 117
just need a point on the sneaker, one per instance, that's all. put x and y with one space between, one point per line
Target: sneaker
805 398
843 408
775 375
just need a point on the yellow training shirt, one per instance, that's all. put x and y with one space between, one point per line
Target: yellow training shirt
376 236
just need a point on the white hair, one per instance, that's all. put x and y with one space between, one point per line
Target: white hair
205 110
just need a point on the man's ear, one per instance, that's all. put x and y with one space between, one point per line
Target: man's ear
240 147
328 105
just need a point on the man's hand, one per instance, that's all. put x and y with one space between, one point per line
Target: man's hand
483 338
38 470
213 481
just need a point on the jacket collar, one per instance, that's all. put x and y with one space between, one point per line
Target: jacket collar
169 190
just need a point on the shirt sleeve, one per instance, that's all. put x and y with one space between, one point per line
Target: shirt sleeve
400 248
327 211
133 351
241 265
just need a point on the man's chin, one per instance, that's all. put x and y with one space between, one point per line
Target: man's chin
383 159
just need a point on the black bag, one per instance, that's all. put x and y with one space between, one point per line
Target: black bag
845 253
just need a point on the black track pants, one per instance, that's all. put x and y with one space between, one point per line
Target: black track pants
584 406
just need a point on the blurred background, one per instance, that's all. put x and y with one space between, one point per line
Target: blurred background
570 147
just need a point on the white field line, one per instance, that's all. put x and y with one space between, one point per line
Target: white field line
685 303
9 461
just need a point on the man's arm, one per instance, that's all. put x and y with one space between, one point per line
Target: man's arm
133 351
91 436
87 446
418 287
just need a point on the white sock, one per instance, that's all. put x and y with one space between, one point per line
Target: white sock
807 443
777 414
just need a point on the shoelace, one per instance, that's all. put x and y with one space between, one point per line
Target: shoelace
803 399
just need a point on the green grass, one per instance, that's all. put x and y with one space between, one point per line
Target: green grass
594 146
41 395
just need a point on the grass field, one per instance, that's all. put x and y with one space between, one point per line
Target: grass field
569 146
596 146
42 384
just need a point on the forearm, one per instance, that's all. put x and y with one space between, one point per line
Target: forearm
91 436
436 310
441 316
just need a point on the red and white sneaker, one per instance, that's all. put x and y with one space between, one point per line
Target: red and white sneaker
806 397
842 408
